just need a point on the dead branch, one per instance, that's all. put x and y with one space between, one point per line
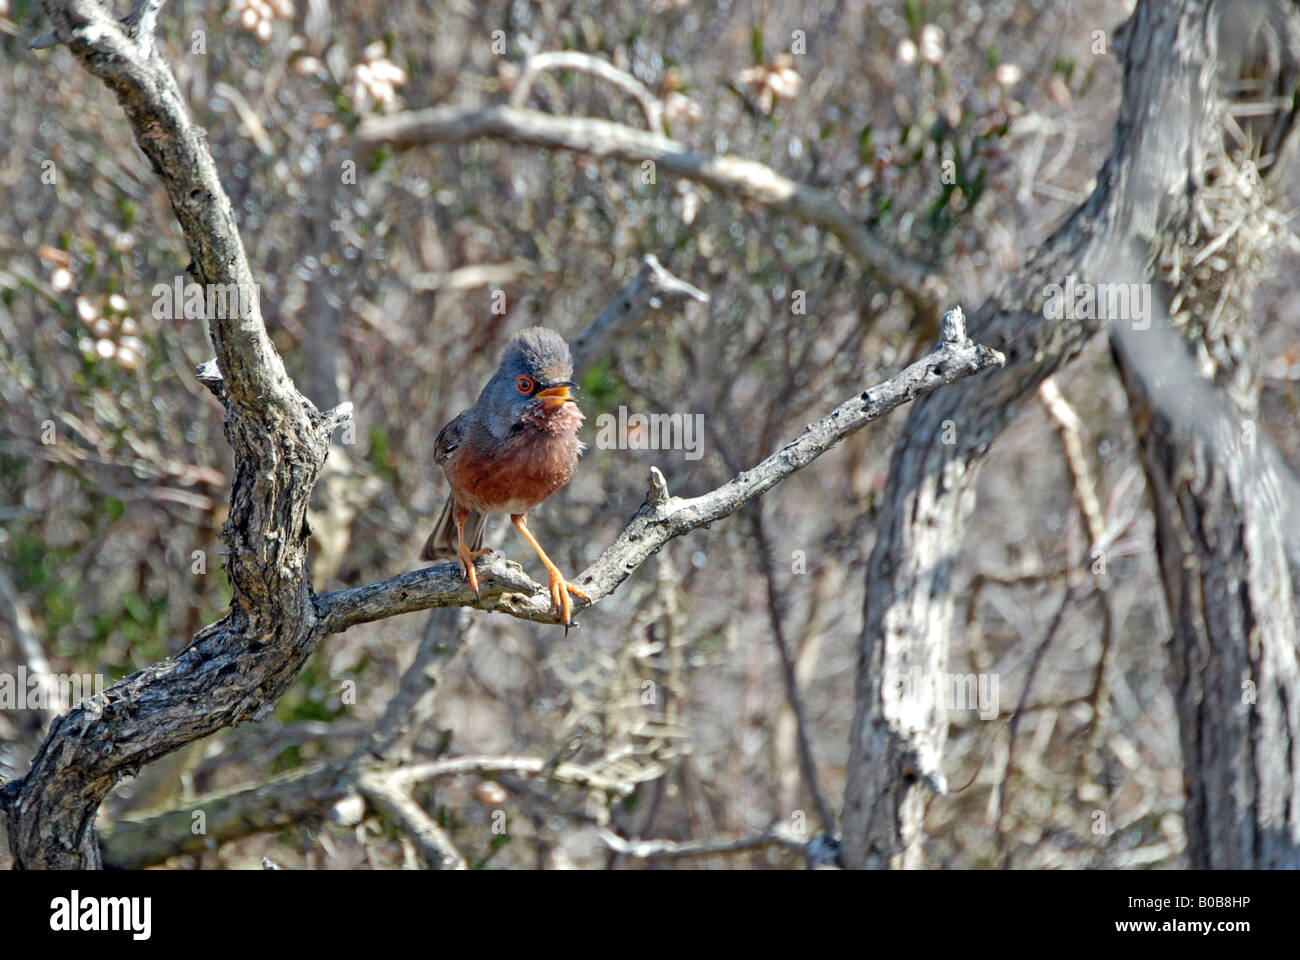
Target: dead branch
736 177
503 586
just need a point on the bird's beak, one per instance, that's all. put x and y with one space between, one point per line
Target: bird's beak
557 393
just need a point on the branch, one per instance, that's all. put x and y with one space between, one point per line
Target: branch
436 850
1070 427
775 604
237 668
897 742
503 585
327 791
673 850
596 67
736 177
651 288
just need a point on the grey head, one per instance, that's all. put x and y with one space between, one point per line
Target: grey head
534 377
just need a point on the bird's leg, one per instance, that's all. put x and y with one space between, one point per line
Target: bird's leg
560 588
467 556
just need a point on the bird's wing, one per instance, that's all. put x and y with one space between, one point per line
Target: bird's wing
450 437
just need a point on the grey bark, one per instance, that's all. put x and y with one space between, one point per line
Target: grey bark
1144 194
1224 504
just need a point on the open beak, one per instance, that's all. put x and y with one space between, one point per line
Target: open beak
557 393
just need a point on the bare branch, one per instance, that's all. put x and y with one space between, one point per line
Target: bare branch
651 288
807 759
472 276
596 67
733 176
505 588
1085 485
436 850
672 850
328 791
897 742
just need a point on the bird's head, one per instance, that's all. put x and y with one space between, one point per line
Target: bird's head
531 382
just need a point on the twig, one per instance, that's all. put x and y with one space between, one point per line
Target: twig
1070 428
807 760
651 288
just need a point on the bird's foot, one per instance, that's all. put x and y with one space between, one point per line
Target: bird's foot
560 602
467 558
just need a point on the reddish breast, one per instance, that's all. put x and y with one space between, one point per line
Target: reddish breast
518 474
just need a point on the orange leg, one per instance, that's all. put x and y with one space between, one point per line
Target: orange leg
467 556
560 588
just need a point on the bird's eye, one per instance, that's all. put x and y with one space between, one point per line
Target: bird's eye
525 384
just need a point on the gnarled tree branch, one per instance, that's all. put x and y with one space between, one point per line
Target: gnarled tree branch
502 585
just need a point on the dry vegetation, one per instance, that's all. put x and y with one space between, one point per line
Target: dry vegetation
381 288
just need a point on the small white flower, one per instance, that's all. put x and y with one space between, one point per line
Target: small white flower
1008 74
776 80
931 43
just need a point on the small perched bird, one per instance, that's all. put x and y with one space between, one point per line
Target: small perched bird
515 447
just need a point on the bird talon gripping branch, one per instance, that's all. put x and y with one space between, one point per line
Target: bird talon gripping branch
515 447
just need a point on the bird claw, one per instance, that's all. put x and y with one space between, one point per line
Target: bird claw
560 602
467 559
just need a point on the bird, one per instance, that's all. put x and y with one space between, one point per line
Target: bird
515 447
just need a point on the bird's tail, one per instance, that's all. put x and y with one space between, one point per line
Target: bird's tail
441 544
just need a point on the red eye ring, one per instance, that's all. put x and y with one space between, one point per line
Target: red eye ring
525 385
